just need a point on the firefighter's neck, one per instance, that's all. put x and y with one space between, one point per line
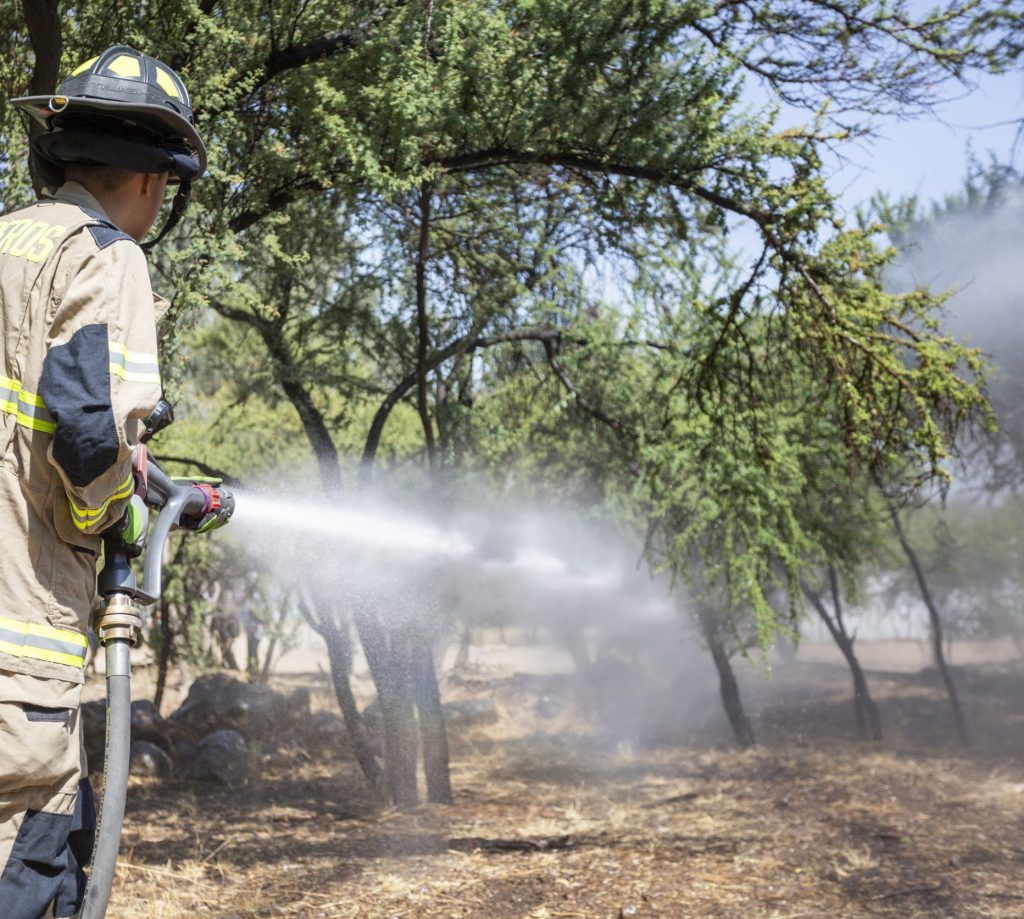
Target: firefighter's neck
132 205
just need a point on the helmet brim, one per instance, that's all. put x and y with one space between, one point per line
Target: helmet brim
42 110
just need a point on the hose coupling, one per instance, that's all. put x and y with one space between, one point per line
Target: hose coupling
120 618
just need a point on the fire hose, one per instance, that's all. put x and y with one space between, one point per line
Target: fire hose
191 504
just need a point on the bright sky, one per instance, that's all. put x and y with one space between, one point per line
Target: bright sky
928 155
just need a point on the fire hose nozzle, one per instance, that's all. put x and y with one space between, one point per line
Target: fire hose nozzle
216 510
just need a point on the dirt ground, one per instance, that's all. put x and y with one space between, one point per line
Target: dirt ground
561 813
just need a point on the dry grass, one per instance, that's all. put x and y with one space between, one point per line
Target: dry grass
817 827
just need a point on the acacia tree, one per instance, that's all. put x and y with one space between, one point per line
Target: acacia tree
637 108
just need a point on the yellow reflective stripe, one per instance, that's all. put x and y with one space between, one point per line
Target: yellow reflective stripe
133 366
41 654
83 517
124 65
28 409
42 642
81 68
166 82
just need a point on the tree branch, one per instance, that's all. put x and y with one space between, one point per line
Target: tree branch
204 468
615 424
461 345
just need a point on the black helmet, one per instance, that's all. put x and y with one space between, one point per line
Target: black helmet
122 86
121 108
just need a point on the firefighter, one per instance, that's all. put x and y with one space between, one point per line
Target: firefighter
78 324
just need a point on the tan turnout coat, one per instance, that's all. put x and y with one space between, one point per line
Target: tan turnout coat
79 370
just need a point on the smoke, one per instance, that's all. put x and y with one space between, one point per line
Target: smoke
971 249
975 252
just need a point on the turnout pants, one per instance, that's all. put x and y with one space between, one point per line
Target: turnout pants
47 815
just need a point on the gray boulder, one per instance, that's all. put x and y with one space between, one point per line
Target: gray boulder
146 720
217 701
146 758
221 757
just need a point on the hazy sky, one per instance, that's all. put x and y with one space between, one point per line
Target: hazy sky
928 155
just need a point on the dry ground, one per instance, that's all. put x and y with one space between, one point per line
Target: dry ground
811 824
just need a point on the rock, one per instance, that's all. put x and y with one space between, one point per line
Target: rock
222 756
217 701
323 731
147 724
145 717
551 705
146 758
464 712
94 732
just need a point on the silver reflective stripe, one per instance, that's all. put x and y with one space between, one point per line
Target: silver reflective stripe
38 641
31 410
133 366
27 408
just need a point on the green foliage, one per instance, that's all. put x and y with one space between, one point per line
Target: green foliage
522 219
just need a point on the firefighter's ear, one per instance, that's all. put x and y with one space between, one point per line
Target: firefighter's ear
153 184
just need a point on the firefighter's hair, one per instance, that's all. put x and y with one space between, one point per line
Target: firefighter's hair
98 176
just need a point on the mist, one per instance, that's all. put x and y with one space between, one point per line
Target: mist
513 587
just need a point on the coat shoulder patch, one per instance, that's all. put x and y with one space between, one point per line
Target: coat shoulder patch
105 234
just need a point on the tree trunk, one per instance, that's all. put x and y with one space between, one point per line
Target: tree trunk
252 648
43 19
268 662
163 654
466 645
869 722
936 625
389 657
433 735
728 687
339 652
575 642
422 328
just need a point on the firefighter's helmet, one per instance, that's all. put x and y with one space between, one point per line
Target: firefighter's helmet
120 108
125 92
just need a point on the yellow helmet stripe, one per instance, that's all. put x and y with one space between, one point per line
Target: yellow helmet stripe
81 68
166 82
124 65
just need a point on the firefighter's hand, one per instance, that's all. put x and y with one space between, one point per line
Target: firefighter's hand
140 469
131 529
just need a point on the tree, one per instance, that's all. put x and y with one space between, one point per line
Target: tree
320 119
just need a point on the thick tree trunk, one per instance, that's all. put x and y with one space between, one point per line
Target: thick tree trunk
433 735
339 652
389 657
869 722
936 625
728 687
